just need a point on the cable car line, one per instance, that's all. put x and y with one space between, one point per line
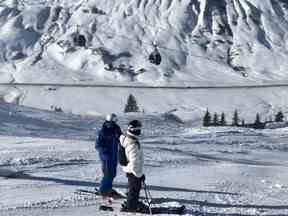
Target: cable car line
143 86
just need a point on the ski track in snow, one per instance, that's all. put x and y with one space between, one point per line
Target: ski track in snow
213 171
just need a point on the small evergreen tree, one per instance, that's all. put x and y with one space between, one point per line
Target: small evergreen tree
215 119
235 119
131 105
279 117
223 119
243 123
207 119
94 10
258 124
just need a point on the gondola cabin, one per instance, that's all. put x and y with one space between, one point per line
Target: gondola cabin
79 40
155 57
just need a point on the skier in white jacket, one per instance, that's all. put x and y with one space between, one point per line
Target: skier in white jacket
134 168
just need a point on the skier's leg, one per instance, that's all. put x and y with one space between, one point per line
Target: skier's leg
106 182
134 185
113 173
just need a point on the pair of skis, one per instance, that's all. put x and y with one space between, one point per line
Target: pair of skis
179 210
103 207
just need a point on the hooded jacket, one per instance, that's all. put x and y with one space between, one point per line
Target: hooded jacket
107 142
134 154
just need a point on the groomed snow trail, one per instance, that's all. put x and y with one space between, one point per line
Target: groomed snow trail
211 170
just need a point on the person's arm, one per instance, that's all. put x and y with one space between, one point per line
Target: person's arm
100 146
119 131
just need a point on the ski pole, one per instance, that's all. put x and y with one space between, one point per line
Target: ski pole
147 197
149 193
149 201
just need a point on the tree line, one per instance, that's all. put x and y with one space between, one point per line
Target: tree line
220 120
216 119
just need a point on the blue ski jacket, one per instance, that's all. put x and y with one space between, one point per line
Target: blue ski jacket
107 141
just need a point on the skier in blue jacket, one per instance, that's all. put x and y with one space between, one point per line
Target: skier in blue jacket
107 146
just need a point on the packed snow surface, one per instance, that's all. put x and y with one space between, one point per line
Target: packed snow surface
213 171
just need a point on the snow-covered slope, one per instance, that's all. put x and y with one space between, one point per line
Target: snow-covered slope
201 42
212 171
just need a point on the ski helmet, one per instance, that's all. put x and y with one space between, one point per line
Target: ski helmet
111 117
134 127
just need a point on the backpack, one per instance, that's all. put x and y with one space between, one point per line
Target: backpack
122 155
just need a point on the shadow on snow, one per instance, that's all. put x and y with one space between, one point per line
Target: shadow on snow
21 175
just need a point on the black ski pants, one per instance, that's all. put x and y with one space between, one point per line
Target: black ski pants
134 187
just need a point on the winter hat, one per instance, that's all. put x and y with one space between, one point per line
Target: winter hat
134 127
111 117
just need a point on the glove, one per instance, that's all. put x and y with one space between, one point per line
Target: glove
143 178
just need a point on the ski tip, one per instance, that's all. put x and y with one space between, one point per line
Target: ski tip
180 210
105 208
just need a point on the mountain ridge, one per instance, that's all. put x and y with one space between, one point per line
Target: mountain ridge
198 39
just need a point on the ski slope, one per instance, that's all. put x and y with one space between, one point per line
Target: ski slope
213 171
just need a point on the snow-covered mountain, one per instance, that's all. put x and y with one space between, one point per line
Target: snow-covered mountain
200 41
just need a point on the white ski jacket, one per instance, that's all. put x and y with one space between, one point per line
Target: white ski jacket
134 154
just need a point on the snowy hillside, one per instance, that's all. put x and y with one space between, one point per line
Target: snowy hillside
213 171
201 42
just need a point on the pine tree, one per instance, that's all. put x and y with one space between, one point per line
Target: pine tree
243 123
223 119
235 120
131 105
215 119
207 119
258 124
279 117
